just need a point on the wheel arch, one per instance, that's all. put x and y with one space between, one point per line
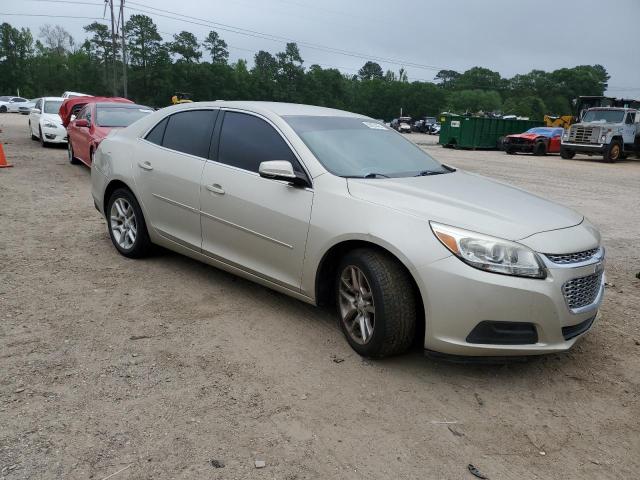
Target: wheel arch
111 187
327 268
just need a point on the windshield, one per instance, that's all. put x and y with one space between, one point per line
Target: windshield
545 131
52 106
120 116
357 147
604 116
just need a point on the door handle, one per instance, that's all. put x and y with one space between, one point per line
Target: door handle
145 165
215 188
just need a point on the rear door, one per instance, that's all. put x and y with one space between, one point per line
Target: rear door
167 169
255 223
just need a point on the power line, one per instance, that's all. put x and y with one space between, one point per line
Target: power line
49 16
256 34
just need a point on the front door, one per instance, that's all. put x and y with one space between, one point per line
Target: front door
255 223
168 166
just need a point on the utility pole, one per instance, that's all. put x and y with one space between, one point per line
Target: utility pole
124 52
113 44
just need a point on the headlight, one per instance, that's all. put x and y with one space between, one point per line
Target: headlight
565 135
489 253
50 125
603 138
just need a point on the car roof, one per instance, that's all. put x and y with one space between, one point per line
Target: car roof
277 108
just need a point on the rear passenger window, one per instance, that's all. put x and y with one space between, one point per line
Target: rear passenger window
190 132
157 132
246 141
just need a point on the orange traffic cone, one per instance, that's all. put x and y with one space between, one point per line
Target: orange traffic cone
3 159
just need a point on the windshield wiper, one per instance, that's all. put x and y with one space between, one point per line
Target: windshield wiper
426 173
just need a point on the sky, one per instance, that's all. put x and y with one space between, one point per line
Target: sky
424 36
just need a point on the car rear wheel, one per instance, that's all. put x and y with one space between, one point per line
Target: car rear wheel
127 227
567 154
376 303
613 152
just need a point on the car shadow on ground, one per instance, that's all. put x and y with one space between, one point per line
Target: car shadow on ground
416 360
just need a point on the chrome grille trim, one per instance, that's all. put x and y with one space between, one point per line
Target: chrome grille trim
582 292
582 134
568 258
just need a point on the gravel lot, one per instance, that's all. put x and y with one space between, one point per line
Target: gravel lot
160 366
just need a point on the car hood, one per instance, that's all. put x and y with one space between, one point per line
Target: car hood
468 201
528 136
51 117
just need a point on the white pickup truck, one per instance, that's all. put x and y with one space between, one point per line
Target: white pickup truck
611 132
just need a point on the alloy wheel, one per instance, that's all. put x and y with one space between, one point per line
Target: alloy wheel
357 309
123 223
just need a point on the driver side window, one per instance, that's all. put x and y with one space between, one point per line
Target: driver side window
631 118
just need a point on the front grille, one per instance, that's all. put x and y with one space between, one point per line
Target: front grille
519 141
582 291
577 257
580 134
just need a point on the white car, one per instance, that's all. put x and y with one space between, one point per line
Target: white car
11 104
333 207
44 122
26 107
66 95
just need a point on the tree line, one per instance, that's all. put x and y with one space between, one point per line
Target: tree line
156 69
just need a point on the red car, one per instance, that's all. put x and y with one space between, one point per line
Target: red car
538 140
94 118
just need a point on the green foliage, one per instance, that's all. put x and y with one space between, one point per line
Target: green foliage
158 68
217 47
471 101
370 71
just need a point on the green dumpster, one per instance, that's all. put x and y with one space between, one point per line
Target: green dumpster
463 131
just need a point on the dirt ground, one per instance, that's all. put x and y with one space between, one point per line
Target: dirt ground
151 369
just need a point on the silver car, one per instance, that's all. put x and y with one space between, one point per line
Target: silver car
331 207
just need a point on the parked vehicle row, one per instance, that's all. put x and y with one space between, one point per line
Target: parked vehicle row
81 121
10 104
395 240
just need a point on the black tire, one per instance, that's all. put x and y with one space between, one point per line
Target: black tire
567 154
142 245
540 149
33 137
612 152
510 151
70 155
3 109
43 143
394 299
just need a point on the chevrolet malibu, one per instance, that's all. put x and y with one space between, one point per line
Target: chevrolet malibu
332 207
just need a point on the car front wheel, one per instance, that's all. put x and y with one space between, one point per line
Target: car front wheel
376 303
567 154
70 155
127 227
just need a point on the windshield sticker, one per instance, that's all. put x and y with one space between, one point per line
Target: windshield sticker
375 126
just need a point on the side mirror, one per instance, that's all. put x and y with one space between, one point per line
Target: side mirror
82 123
36 110
281 170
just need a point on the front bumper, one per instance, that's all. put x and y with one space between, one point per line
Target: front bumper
458 297
585 147
54 135
519 147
